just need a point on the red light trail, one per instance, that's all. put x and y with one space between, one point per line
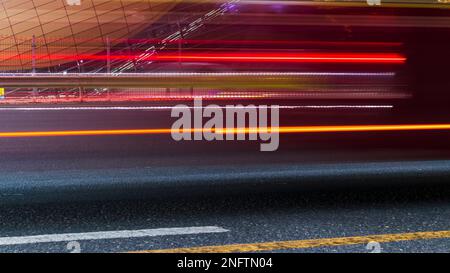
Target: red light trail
383 58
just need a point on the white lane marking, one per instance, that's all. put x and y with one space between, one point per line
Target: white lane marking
102 235
172 107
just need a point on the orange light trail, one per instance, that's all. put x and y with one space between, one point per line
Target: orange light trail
338 128
283 130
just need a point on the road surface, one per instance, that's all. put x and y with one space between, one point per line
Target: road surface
140 193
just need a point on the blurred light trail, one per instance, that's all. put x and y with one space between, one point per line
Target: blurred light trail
441 4
287 57
339 128
161 96
283 130
327 3
393 58
17 100
108 108
198 74
334 20
307 43
344 44
168 80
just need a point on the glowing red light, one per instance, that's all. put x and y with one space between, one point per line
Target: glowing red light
391 58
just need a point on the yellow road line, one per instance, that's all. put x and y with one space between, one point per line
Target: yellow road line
298 244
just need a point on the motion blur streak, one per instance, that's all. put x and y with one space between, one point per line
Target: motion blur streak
198 74
339 128
270 42
232 84
308 57
331 3
107 108
349 3
86 133
290 129
241 57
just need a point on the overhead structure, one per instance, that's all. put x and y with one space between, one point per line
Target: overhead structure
69 27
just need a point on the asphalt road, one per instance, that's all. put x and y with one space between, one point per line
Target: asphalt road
134 190
248 218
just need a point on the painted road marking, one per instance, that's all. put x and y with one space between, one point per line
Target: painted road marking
102 235
313 243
